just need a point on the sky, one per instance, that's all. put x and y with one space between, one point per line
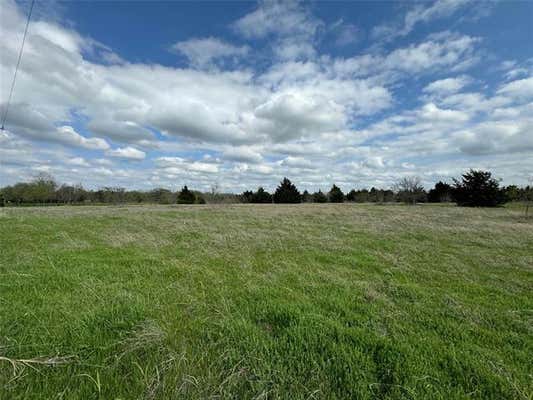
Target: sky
236 95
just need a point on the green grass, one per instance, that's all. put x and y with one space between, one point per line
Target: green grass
293 302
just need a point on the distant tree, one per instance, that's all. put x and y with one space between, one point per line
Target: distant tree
286 192
319 197
410 190
42 189
441 193
351 195
247 196
64 194
135 196
186 196
307 197
511 193
375 195
388 195
335 195
261 196
161 196
113 195
477 189
362 196
199 198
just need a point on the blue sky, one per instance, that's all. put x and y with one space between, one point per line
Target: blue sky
241 94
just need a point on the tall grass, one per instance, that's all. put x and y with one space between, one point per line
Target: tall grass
246 301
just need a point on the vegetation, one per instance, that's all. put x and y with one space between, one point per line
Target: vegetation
261 196
338 302
441 193
186 196
410 190
320 197
477 189
286 192
44 190
335 195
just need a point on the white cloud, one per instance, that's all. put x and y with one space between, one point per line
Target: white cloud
446 86
278 17
67 135
78 161
521 89
202 52
448 50
314 117
243 154
432 113
421 13
297 162
292 115
128 152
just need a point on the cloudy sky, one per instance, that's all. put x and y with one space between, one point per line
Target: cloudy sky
144 94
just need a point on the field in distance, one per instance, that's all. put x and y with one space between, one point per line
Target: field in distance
266 301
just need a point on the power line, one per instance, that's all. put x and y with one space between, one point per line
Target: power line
17 67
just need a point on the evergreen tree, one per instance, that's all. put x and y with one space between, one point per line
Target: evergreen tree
319 197
261 196
477 189
307 197
335 195
247 196
286 192
352 195
186 196
441 193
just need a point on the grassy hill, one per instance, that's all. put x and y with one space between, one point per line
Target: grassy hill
249 301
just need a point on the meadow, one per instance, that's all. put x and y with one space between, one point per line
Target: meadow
310 301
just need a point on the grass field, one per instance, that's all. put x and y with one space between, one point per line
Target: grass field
249 301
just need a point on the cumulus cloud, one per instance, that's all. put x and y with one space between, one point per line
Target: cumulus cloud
203 52
280 18
243 154
313 116
521 89
177 166
446 86
78 161
291 27
129 153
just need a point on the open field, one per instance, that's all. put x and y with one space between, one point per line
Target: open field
248 301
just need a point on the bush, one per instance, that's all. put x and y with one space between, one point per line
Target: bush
477 189
335 195
286 192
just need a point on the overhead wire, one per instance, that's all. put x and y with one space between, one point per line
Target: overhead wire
4 117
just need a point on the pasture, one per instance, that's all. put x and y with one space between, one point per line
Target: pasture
265 302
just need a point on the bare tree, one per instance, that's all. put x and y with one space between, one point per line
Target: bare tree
409 189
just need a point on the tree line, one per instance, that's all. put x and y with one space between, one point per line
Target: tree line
473 188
